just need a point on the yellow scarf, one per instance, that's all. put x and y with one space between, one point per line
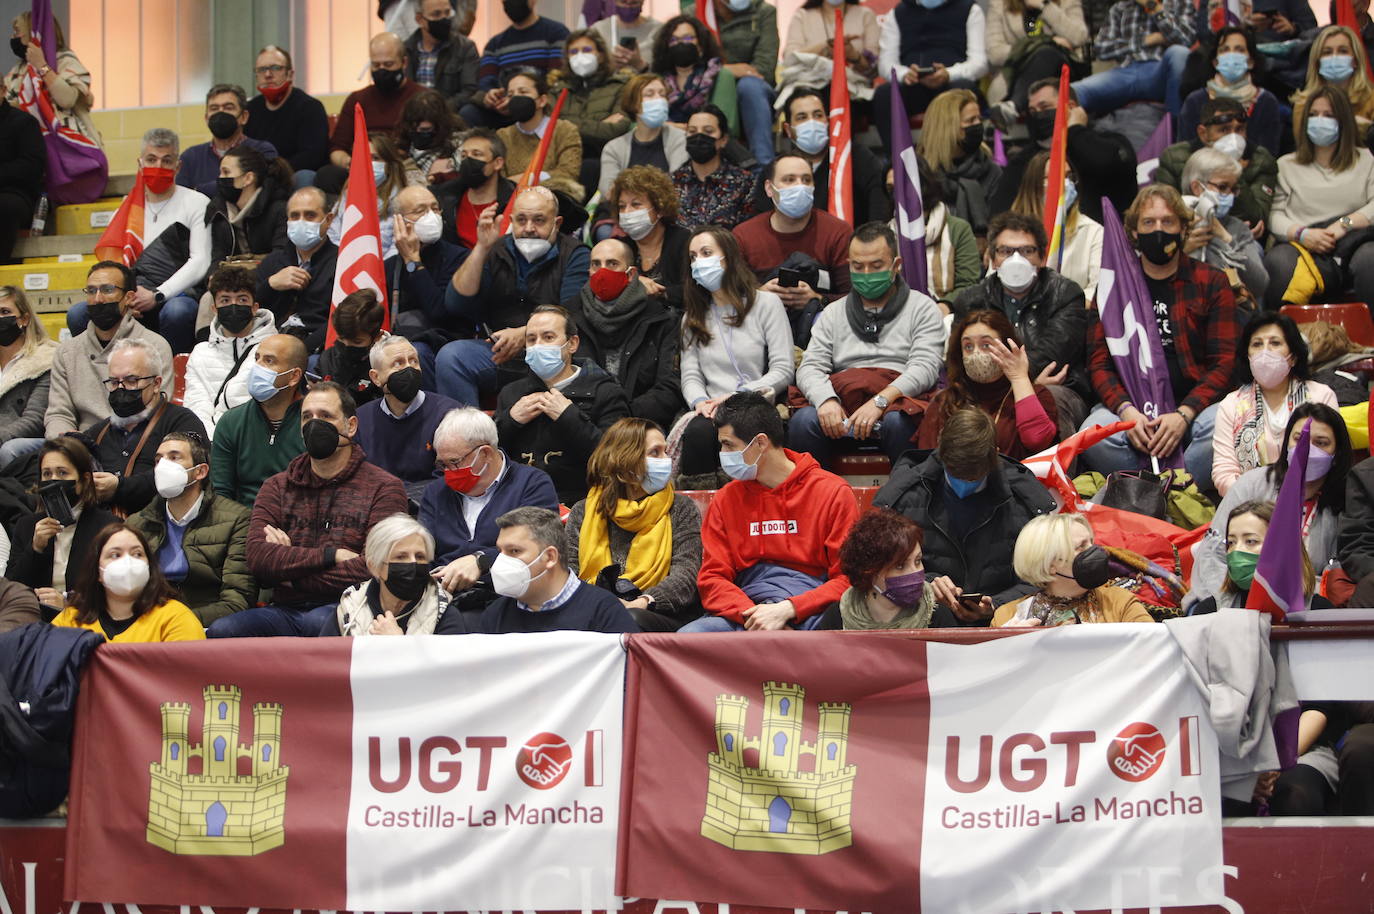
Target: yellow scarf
651 550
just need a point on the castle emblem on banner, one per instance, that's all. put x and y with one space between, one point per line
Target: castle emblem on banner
777 806
218 811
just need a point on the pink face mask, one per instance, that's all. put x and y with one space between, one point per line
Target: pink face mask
1269 368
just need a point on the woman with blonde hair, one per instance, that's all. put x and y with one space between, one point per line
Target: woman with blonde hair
1083 235
952 142
1337 61
633 534
26 356
1056 553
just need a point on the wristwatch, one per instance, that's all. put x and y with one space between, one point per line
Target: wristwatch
159 298
413 265
1347 222
880 401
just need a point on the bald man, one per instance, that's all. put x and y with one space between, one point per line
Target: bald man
257 439
381 104
420 274
296 282
499 284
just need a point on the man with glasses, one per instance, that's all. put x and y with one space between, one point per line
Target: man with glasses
439 56
480 183
1211 180
283 115
1046 309
226 113
138 416
77 398
1222 127
479 485
420 273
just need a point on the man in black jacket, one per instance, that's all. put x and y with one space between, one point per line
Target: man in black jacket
971 502
631 334
440 57
296 282
1046 309
285 116
22 163
419 276
554 416
1104 161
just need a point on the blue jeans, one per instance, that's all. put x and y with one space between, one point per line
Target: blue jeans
1115 453
272 622
756 112
175 321
18 447
709 623
1146 80
464 369
804 434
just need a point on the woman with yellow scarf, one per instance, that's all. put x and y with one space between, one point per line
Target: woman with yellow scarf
632 534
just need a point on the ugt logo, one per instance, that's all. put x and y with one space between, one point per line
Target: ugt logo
1136 752
217 810
544 761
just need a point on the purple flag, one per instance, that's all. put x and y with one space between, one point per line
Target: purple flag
1147 160
906 197
1127 311
77 167
999 151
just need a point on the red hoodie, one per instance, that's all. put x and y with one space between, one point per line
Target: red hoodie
800 524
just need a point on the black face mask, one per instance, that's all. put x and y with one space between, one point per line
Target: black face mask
521 108
1091 568
516 10
126 403
387 81
684 55
439 29
227 190
1159 247
701 148
407 580
105 315
222 125
9 330
321 439
972 139
234 318
423 139
404 384
20 48
1040 125
67 487
472 172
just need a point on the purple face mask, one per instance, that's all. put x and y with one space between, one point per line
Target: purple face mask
627 14
906 590
1318 462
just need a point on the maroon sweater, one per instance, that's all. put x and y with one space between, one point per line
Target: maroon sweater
320 515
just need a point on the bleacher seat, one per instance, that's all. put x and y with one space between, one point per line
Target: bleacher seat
1353 316
179 378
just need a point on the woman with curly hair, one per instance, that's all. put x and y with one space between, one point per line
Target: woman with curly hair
882 558
643 201
429 132
688 57
988 369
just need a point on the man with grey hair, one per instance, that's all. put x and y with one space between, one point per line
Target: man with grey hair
176 247
140 417
397 429
536 591
479 485
226 113
1211 181
420 272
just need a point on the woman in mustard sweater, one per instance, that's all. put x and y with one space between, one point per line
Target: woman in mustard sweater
124 597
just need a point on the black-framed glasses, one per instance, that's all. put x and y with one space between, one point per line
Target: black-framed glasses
460 462
1025 250
105 289
270 69
129 383
1226 117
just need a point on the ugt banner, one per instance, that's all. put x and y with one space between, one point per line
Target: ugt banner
404 774
1071 769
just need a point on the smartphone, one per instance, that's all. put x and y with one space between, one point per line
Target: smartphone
972 601
788 277
629 41
924 71
55 503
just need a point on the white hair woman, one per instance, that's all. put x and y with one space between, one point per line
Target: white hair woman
1056 553
401 598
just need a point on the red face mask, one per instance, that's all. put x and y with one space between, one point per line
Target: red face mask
274 94
464 479
158 180
608 284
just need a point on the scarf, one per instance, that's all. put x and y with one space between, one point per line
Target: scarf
1249 436
940 254
1243 91
697 92
651 550
854 612
868 325
612 317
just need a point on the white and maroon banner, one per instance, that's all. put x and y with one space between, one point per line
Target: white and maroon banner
364 774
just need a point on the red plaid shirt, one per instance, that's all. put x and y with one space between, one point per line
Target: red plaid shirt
1206 334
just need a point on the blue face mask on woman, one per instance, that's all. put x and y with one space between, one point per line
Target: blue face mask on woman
1336 68
1323 131
708 273
657 472
1232 66
653 112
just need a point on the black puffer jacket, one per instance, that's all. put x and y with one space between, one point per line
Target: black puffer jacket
1053 324
980 561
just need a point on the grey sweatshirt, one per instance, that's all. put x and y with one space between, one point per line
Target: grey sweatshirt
761 348
78 399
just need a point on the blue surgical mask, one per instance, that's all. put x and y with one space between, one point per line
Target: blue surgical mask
1323 131
378 173
1070 193
811 136
740 6
708 273
545 361
962 488
302 233
653 112
262 383
931 4
1223 202
794 200
1336 68
657 472
736 467
1232 66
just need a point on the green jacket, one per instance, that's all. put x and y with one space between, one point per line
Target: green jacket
588 105
968 264
216 544
749 37
1258 180
245 452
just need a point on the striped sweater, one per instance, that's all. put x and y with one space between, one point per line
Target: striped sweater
539 46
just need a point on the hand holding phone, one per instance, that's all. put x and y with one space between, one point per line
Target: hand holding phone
55 503
788 277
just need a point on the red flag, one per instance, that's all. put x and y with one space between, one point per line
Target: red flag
360 247
841 165
122 239
1054 183
1345 15
531 176
706 14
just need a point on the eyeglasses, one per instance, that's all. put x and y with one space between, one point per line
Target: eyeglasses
1221 120
270 69
460 462
1025 250
129 383
106 289
1221 188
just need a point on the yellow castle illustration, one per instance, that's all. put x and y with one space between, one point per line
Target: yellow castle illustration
777 807
218 811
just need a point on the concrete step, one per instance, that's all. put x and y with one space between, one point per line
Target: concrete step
54 246
118 185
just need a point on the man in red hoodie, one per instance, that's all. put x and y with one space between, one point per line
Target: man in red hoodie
771 538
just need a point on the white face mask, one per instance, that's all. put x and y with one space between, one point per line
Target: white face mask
583 63
171 478
429 227
1233 144
511 577
125 576
636 223
532 248
1016 273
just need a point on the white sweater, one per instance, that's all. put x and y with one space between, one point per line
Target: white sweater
761 347
211 361
186 207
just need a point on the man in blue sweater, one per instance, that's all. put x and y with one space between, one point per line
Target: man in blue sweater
397 431
537 591
479 485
